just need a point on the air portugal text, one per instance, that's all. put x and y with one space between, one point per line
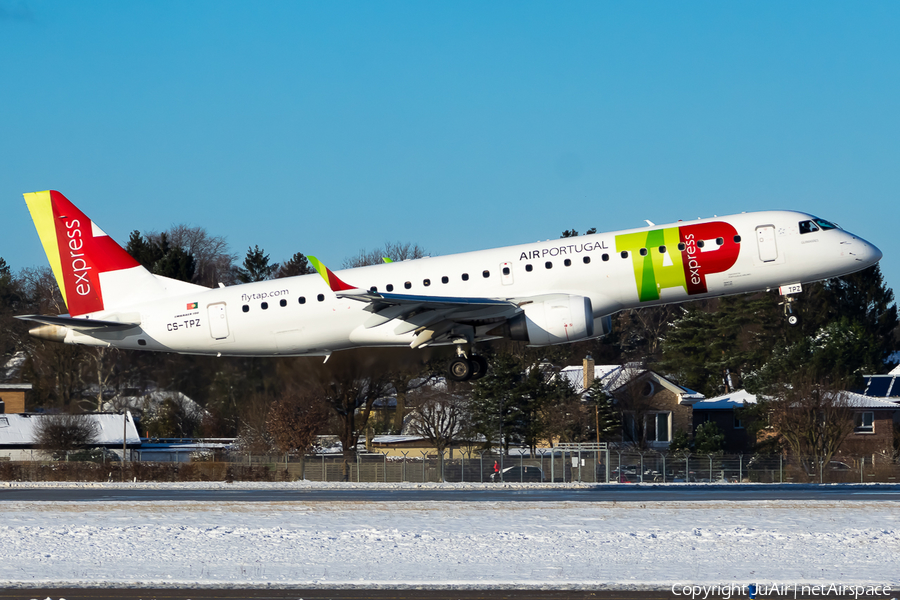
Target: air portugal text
679 256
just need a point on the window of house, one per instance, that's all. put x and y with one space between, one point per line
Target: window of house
738 423
658 427
864 422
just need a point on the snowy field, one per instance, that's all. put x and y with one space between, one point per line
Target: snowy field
448 544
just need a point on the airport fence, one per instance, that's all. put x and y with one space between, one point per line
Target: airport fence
588 466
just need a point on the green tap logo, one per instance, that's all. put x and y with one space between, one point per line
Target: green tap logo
659 263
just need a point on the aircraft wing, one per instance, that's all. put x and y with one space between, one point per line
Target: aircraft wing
435 316
79 324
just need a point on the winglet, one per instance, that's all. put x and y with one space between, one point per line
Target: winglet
387 260
333 281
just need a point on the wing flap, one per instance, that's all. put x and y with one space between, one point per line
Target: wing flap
80 324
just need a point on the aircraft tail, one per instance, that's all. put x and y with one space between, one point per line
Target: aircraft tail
93 272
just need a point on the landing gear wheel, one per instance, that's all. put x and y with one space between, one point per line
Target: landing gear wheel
793 320
479 366
460 369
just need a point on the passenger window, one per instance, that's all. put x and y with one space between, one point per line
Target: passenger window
586 259
700 243
737 239
485 274
245 308
548 265
605 257
662 249
528 268
302 299
681 246
321 297
624 253
264 305
720 241
567 262
407 285
426 282
282 303
643 252
445 279
465 276
390 287
373 289
506 270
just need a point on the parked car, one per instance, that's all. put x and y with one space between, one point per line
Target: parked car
519 473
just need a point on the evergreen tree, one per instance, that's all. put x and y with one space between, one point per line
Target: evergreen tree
297 265
256 266
708 438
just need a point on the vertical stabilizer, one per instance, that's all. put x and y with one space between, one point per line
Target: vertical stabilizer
93 272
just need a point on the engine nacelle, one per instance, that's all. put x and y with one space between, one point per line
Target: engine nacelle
555 320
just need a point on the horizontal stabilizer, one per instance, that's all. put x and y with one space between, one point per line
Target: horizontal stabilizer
79 324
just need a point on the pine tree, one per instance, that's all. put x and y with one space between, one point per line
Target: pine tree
256 266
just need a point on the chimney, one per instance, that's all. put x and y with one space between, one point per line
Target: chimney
588 371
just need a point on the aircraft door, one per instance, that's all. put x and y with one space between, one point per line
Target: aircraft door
506 275
765 242
218 321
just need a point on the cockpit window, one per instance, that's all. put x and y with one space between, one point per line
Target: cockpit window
825 225
808 227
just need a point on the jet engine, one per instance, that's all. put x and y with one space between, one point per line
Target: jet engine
554 320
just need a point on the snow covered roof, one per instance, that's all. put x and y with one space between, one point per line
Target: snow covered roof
736 399
19 429
862 401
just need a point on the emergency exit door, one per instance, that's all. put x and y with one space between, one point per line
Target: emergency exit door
765 242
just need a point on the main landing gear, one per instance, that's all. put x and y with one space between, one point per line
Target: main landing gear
464 368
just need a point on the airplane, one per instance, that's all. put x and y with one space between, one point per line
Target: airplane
544 293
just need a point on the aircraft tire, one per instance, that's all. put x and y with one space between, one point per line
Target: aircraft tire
793 320
479 366
460 369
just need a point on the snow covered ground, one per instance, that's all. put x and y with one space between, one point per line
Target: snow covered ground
449 544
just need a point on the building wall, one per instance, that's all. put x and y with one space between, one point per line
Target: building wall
881 440
737 441
13 400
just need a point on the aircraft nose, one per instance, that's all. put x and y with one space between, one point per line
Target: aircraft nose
864 252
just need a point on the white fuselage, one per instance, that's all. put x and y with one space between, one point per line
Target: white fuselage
302 316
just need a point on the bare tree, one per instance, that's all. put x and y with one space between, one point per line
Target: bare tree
214 263
395 251
294 421
440 414
62 433
813 420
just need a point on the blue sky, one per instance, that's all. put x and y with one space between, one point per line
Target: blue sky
326 128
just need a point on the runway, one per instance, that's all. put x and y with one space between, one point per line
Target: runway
452 493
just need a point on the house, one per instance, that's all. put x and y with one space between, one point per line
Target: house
17 434
874 420
725 411
653 407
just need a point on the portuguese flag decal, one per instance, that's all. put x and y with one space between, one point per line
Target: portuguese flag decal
192 305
